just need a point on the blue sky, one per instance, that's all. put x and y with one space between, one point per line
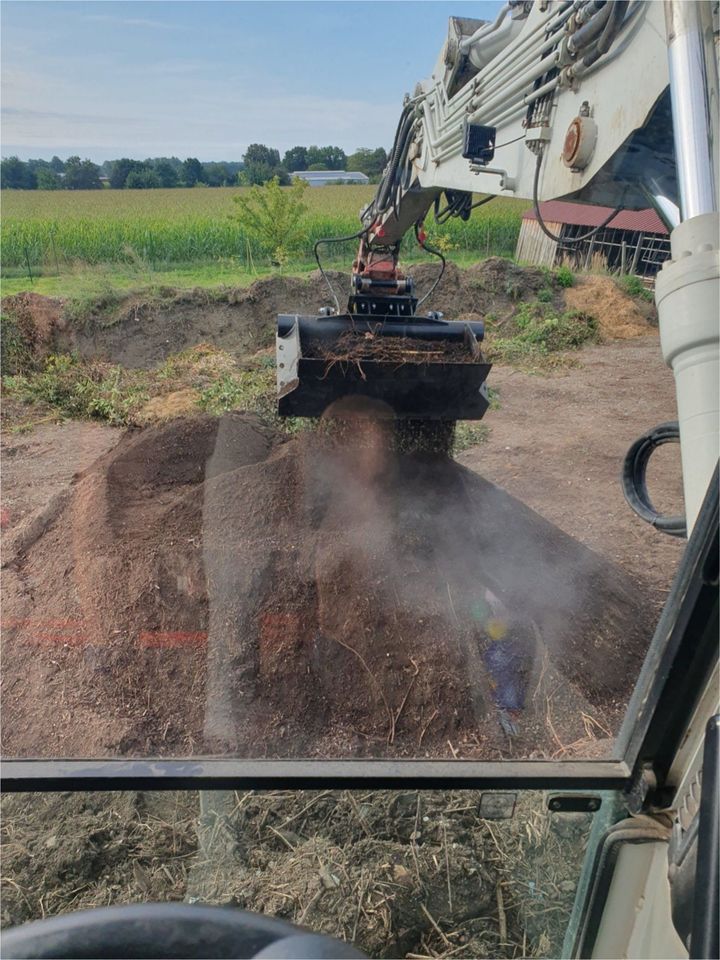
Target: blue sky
109 79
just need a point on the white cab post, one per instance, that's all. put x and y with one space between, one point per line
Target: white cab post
687 289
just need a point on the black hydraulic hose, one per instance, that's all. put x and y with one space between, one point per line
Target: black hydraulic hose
458 208
437 253
406 120
328 240
568 241
617 15
634 478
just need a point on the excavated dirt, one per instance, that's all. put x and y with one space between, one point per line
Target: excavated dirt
143 331
206 588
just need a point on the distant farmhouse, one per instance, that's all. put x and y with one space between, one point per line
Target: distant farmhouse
634 241
320 178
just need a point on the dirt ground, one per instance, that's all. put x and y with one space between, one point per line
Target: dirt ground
158 568
401 874
142 331
557 444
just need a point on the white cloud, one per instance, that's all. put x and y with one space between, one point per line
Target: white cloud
141 22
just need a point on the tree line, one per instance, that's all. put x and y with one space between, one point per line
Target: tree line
262 163
259 164
77 174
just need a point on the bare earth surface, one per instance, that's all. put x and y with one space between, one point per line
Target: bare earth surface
106 608
557 443
38 465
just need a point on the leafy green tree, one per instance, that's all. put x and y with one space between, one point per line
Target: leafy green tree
120 171
261 164
370 162
295 159
259 153
47 179
166 173
329 158
192 172
57 165
256 173
272 217
143 179
16 175
217 175
81 175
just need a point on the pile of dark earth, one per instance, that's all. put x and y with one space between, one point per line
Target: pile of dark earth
208 587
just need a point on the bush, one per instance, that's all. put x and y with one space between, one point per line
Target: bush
634 287
564 277
273 217
249 390
539 335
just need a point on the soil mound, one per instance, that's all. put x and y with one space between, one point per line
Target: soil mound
36 320
206 587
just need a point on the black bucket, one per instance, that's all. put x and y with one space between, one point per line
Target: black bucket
448 387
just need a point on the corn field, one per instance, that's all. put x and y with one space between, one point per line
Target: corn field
58 229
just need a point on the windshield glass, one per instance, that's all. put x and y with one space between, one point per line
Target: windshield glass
399 874
209 584
254 509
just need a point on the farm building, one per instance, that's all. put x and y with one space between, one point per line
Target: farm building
634 241
320 178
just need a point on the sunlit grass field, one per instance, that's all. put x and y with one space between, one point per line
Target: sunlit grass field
55 232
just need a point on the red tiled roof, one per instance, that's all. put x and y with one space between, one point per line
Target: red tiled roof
587 215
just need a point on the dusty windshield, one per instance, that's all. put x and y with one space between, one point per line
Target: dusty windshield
196 581
423 551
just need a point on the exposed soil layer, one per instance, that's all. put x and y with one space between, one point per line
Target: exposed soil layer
205 588
144 331
397 873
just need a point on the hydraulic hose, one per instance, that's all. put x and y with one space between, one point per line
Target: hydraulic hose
403 131
568 241
634 478
589 31
423 244
617 15
327 240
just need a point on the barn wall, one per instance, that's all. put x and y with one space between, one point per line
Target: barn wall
534 247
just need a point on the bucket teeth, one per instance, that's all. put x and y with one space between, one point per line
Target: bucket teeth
431 369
